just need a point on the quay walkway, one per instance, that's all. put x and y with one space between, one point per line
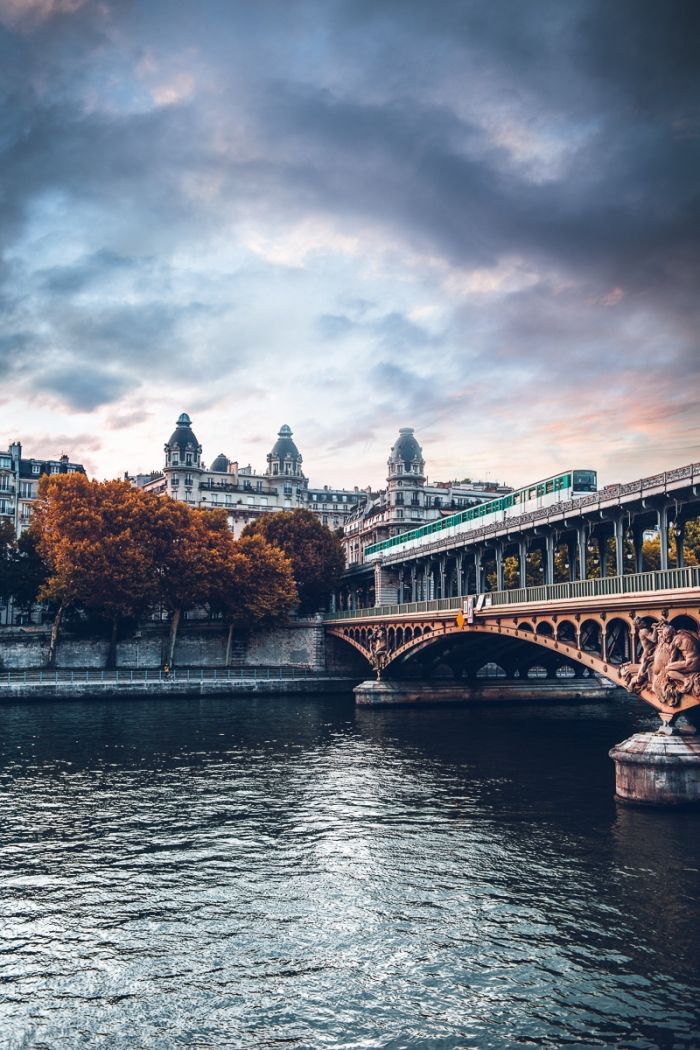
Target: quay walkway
41 683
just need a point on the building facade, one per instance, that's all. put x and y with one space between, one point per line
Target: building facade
409 500
19 483
241 491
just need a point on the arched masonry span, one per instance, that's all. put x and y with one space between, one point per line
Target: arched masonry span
635 643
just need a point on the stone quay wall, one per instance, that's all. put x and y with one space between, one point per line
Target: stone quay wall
299 643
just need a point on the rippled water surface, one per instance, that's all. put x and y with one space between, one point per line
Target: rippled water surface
280 872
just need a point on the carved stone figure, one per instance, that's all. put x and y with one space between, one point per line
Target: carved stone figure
379 656
670 663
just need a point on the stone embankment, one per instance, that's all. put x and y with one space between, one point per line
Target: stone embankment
297 644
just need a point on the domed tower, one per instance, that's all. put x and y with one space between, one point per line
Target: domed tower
183 461
220 464
285 459
406 476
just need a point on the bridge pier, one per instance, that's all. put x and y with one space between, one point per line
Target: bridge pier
392 692
658 769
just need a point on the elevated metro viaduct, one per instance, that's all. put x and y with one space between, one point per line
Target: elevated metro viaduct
452 566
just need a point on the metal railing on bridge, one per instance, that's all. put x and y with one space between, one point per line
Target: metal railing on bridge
633 583
186 674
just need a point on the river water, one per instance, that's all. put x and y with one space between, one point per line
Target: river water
272 872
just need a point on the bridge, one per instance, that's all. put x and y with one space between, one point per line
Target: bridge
595 533
417 610
426 613
639 630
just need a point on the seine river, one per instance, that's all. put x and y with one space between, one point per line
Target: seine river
296 873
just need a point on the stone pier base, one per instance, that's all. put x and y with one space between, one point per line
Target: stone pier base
388 692
658 769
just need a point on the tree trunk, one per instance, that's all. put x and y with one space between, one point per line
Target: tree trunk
112 651
53 641
229 643
174 624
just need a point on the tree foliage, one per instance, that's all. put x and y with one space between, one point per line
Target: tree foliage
116 552
315 552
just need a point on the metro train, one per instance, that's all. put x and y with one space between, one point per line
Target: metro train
557 489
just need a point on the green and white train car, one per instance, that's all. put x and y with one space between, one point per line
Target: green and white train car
557 489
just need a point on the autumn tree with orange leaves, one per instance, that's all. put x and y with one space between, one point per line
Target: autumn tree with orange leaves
95 538
116 551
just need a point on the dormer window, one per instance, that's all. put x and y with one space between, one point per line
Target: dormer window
188 459
36 468
175 458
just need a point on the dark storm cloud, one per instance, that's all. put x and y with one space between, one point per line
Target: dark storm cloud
83 387
456 137
98 266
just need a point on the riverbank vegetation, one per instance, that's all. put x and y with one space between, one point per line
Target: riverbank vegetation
117 553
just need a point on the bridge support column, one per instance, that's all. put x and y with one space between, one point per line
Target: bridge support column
581 542
522 554
459 564
619 547
386 586
414 583
442 568
499 566
679 533
478 571
662 521
549 558
658 769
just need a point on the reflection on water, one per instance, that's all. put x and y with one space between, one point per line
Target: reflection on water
212 873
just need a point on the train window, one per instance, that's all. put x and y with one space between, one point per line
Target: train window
532 493
549 486
585 480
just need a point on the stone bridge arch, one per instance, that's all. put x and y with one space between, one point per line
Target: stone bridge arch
600 642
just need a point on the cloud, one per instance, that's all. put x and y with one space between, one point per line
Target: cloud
355 215
83 388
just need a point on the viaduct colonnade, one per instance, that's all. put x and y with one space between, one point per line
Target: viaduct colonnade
445 567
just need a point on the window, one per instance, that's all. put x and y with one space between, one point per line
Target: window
288 490
188 459
26 489
4 482
188 479
175 482
36 468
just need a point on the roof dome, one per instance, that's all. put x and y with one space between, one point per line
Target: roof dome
182 436
221 464
284 447
406 448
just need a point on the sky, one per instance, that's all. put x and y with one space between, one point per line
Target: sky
477 219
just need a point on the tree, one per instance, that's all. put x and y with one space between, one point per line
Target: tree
94 537
255 587
190 549
315 552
